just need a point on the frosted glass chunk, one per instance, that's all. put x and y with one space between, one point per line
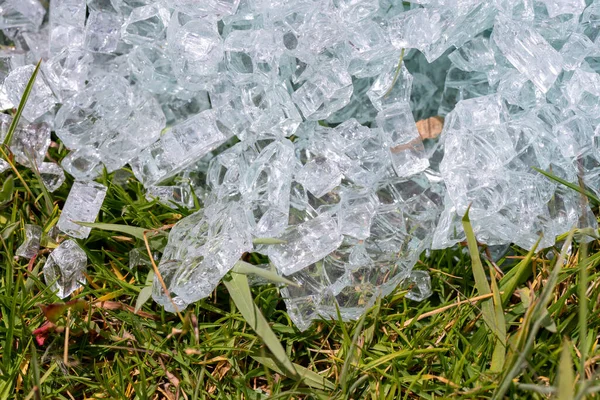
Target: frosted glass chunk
52 176
200 251
214 7
418 28
356 213
475 55
145 25
575 50
102 31
65 267
68 12
420 285
171 195
266 185
30 143
558 7
324 92
406 146
83 164
82 205
31 245
67 72
181 146
41 99
391 86
305 244
196 50
319 176
528 52
25 14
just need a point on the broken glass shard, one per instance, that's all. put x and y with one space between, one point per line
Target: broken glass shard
52 175
31 245
64 270
82 205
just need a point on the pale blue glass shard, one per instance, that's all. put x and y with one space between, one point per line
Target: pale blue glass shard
449 230
582 92
23 14
354 11
214 7
575 137
152 68
82 205
305 301
357 210
67 22
196 50
64 269
558 7
305 244
419 284
67 72
30 143
368 50
41 98
266 186
516 9
391 86
179 147
83 164
528 52
67 13
406 146
146 24
575 50
474 55
52 175
418 28
324 92
102 31
516 89
467 22
201 249
171 195
31 245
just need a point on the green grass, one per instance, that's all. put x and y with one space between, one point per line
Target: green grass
526 327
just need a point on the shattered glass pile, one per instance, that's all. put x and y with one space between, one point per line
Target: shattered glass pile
295 120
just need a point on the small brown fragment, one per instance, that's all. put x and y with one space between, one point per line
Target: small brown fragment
430 128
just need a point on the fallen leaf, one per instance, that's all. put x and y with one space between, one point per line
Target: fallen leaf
430 128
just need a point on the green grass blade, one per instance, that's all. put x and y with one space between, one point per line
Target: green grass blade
239 290
267 241
242 267
344 378
509 282
22 104
478 272
490 309
308 377
6 193
134 231
145 293
566 375
582 289
45 193
590 195
499 355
